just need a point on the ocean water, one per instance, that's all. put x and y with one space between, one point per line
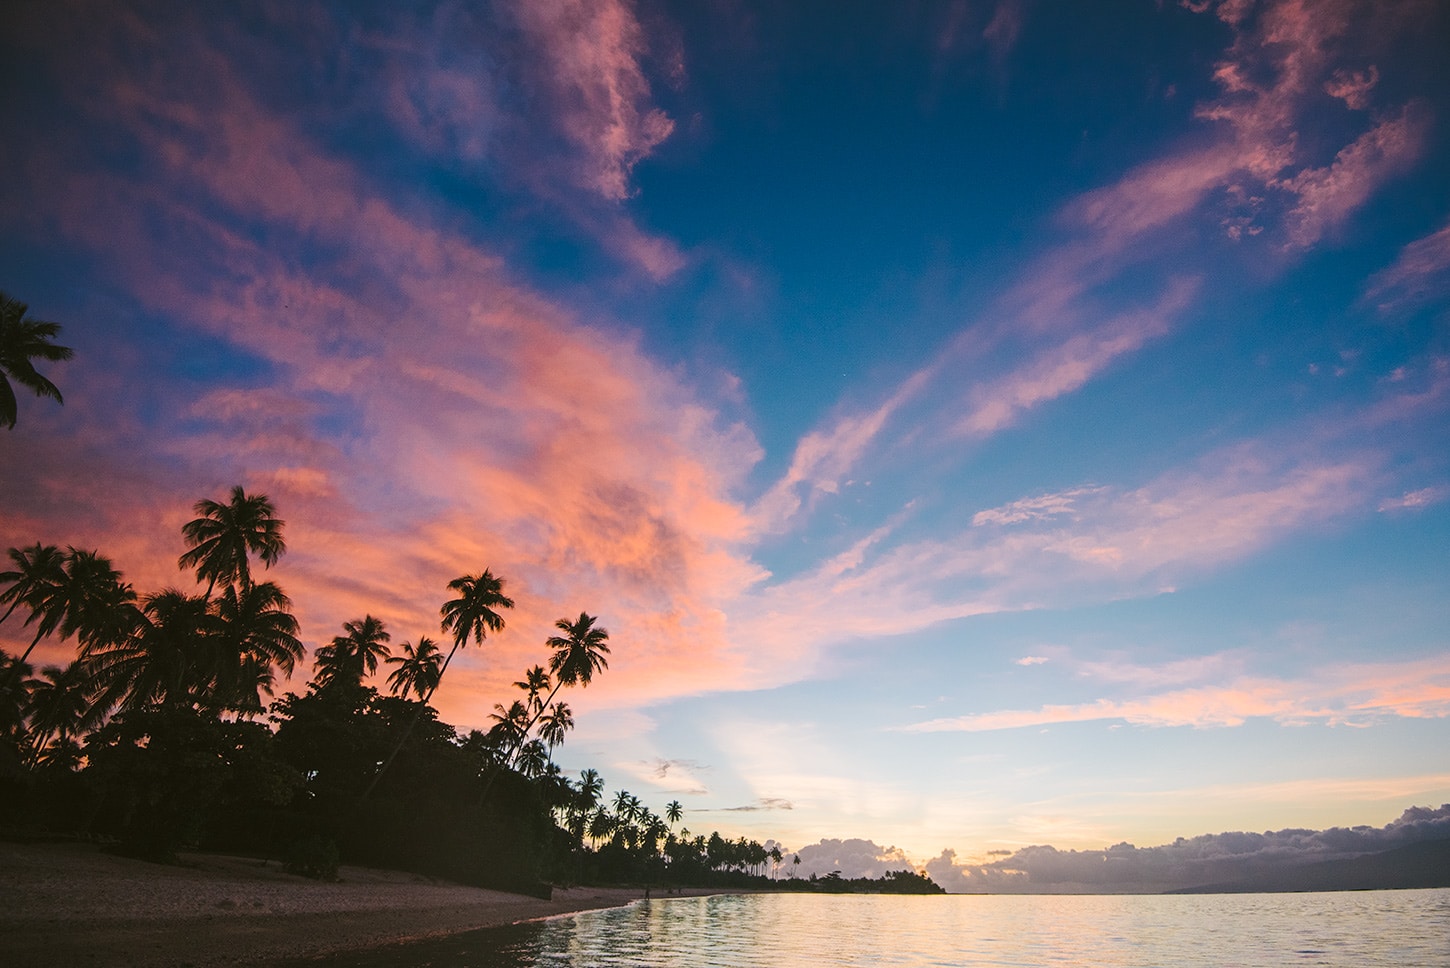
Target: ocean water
1403 929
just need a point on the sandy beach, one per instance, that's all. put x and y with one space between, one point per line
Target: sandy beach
72 905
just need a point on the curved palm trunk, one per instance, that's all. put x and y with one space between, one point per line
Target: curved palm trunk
518 745
20 663
412 723
8 611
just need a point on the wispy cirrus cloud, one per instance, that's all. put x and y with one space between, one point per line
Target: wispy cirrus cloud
1284 62
1038 508
824 458
1053 550
1059 370
1420 273
1357 694
592 69
1416 500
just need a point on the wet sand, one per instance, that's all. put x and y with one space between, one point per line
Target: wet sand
71 905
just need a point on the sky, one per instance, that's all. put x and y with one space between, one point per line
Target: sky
978 424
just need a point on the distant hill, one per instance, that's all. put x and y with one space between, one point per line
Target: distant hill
1426 864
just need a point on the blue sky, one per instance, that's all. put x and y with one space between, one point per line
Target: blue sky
978 424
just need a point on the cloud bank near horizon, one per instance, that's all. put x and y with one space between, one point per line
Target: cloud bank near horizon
1187 862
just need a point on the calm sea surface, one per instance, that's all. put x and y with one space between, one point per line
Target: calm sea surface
1404 929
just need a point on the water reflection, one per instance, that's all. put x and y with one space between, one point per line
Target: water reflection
1404 929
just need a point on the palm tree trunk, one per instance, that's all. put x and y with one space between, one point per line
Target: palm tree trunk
15 673
411 724
518 745
30 648
8 611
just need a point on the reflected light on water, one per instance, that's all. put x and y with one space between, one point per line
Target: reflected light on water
1403 929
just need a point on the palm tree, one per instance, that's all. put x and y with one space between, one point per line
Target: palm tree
223 535
258 635
532 758
474 612
417 669
509 723
99 608
602 824
348 658
578 654
558 792
76 592
23 340
36 569
591 784
60 707
170 658
673 812
555 724
535 683
34 582
12 703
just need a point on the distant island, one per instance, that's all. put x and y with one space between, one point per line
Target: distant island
1421 865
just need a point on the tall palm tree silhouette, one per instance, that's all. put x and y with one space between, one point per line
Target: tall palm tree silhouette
474 613
223 535
578 654
22 341
98 607
75 592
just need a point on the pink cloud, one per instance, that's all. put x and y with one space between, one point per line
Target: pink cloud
1341 695
823 458
1087 544
1284 61
1416 500
483 425
1058 370
1032 508
1421 272
1286 58
1326 196
1152 195
592 52
1353 87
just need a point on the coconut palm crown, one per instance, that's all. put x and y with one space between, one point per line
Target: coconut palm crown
579 652
223 535
22 341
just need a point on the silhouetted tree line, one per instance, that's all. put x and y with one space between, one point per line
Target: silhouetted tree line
156 737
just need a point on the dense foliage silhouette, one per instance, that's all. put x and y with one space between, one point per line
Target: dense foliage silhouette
163 734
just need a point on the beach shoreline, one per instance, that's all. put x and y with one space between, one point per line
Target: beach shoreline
74 905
